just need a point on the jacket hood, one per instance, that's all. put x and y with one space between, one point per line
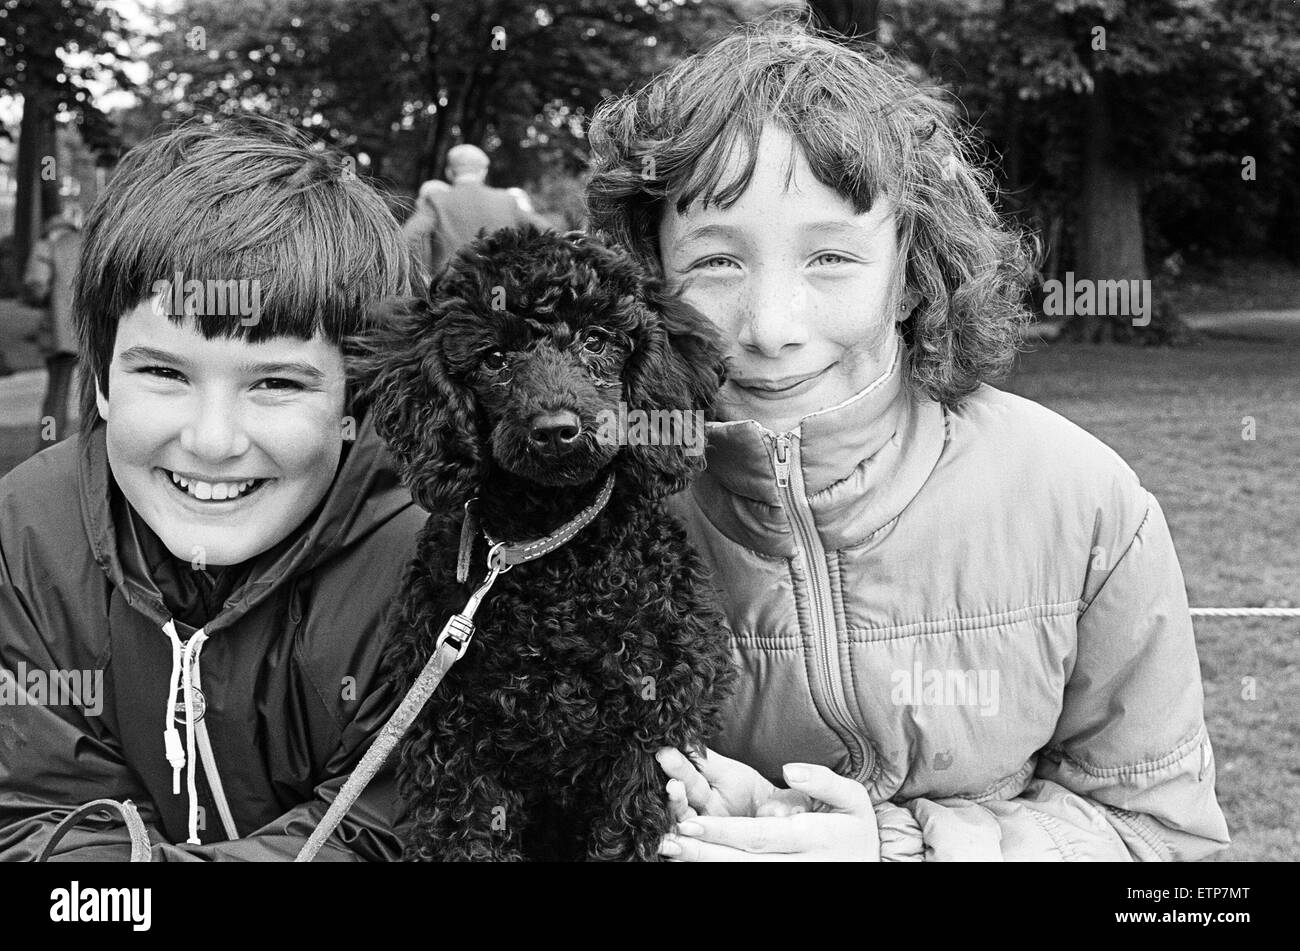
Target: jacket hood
353 506
862 461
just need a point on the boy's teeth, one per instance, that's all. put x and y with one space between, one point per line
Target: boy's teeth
216 491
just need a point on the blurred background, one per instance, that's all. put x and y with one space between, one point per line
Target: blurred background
1149 140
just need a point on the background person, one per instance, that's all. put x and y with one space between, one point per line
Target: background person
450 216
48 282
521 197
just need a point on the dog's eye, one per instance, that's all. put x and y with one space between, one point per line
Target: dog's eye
593 343
496 360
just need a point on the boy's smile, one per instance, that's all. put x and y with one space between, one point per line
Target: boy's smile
212 490
222 446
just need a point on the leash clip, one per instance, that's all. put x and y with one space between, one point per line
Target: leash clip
459 629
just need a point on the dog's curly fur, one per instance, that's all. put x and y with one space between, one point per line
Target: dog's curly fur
539 742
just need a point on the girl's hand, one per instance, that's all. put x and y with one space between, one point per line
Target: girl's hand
844 828
723 787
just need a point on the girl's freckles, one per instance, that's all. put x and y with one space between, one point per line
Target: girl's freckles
802 286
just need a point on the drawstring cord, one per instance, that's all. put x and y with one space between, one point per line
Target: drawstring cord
189 672
172 738
185 668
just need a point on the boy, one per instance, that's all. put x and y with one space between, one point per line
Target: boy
192 590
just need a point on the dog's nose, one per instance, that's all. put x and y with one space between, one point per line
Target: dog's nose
554 430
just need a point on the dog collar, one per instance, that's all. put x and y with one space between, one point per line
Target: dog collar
505 555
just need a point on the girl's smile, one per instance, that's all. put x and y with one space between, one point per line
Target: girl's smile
795 385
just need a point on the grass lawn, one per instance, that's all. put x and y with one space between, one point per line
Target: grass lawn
1233 506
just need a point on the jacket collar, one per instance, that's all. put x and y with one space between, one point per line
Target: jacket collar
861 461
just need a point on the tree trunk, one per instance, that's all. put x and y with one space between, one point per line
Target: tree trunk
1110 245
1284 229
849 17
441 146
37 198
427 164
475 126
1013 163
1013 110
1052 268
1110 218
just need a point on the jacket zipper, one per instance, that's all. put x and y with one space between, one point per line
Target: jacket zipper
824 636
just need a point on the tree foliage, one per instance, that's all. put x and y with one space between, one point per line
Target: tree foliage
1194 87
60 51
401 81
53 54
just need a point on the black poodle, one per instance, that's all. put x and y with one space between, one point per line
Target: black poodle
503 389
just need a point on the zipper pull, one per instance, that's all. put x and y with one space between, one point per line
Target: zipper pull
783 460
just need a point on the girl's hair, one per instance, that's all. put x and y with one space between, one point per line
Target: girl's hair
866 129
235 199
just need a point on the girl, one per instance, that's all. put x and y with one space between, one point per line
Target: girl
960 621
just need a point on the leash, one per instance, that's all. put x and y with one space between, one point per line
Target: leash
450 647
141 847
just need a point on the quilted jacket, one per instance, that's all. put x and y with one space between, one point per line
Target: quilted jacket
976 612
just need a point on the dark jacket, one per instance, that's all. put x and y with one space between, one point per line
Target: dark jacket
289 675
446 220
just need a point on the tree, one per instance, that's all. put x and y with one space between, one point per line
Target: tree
398 82
51 53
1094 102
850 17
1231 184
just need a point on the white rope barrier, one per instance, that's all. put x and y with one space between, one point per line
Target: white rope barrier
1245 612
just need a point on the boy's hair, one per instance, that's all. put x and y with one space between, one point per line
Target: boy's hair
231 199
866 129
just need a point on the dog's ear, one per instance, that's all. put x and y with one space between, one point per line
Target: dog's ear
428 420
676 365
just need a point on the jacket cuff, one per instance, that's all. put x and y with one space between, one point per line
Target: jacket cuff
900 834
